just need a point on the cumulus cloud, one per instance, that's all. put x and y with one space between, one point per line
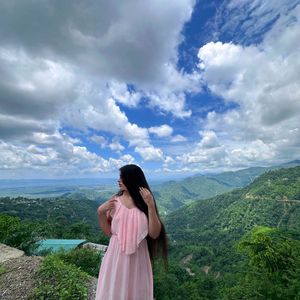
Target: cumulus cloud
81 62
129 49
150 153
105 115
54 156
122 95
128 43
116 146
100 140
209 139
208 151
161 131
178 138
88 64
33 87
264 81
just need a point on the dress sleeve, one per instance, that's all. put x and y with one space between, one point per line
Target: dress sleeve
110 213
132 230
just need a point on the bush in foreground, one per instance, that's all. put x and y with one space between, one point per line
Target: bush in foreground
59 280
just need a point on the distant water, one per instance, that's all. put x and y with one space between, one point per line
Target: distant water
26 183
34 183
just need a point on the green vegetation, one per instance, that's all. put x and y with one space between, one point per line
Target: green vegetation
2 270
208 231
243 244
21 235
272 270
55 218
63 211
59 280
87 260
173 195
24 234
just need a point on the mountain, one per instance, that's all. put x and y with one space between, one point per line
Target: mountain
170 195
208 229
173 194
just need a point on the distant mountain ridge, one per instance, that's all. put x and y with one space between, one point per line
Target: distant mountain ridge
272 200
169 195
173 194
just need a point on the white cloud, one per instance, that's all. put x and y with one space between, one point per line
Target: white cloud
249 19
34 87
127 158
150 153
100 140
178 138
135 48
122 95
161 131
209 139
264 81
74 69
116 146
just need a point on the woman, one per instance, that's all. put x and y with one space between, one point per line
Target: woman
137 237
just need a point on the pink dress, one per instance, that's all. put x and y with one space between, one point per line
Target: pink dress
126 271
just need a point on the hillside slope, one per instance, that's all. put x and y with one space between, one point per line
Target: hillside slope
209 228
174 194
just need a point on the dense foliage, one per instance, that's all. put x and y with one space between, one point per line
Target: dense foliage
208 231
21 235
244 244
86 259
272 270
59 281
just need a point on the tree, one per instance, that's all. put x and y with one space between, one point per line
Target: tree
273 267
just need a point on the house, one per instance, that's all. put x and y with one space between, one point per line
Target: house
67 244
57 244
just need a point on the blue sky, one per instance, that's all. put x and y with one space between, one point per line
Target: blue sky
177 87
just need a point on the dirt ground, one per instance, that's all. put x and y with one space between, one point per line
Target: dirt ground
17 282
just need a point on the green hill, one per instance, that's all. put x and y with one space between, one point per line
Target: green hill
174 194
64 211
208 229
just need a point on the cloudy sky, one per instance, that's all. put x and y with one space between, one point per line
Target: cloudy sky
178 87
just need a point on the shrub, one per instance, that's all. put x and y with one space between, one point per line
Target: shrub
58 280
87 260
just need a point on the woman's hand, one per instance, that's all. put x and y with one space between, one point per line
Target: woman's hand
147 196
104 219
106 206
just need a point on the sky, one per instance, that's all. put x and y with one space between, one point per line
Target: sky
178 87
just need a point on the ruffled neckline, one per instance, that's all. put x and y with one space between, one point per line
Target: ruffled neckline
131 208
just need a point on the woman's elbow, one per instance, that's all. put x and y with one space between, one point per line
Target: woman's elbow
154 234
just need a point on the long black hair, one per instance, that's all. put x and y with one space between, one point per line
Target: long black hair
133 178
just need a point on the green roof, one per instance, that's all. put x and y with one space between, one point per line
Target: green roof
56 244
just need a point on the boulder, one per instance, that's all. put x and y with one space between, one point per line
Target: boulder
7 252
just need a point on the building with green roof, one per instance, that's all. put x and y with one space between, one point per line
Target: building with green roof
57 244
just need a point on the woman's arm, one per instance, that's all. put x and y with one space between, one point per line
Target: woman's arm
154 222
104 221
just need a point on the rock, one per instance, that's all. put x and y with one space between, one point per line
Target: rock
7 253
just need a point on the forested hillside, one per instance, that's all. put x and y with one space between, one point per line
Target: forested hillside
244 244
172 195
208 229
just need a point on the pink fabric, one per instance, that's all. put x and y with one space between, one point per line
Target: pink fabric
126 271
